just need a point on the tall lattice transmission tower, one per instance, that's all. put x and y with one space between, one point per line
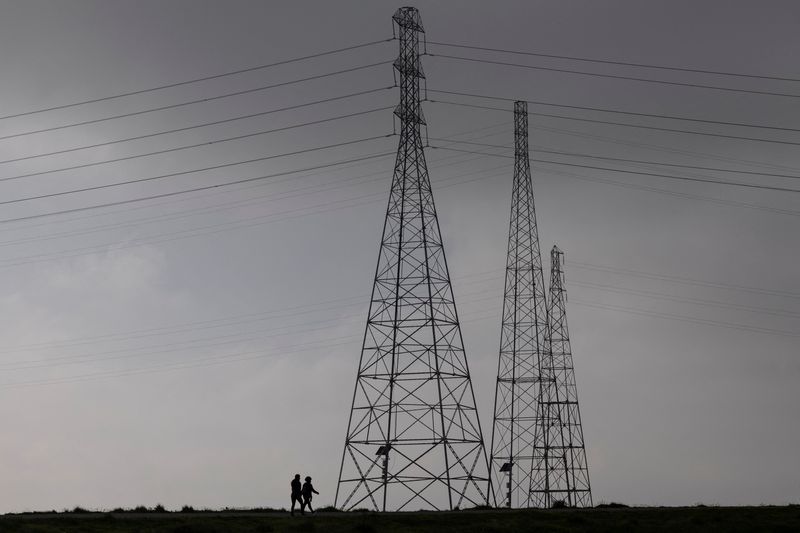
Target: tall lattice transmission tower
563 471
414 439
522 339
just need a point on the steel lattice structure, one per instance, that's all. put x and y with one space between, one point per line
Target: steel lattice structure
563 456
414 439
522 338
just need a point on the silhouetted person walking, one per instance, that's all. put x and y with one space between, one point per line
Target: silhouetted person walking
308 490
297 494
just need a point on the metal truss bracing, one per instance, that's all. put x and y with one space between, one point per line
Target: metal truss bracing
522 337
562 472
414 439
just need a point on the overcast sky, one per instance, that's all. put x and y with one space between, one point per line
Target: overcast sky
200 349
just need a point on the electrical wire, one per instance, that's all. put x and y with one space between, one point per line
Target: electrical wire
217 186
195 80
663 148
638 173
617 111
614 123
612 62
617 76
260 220
195 101
342 164
196 126
190 171
683 280
193 189
690 319
696 301
250 200
638 161
185 147
667 192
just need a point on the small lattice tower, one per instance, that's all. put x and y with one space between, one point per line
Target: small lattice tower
564 455
522 337
414 439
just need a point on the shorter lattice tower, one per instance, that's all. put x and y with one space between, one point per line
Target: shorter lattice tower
523 336
561 475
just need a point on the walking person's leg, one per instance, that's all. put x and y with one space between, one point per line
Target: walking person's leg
299 500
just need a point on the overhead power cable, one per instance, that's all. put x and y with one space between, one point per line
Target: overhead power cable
617 76
260 220
195 101
674 194
350 181
614 123
322 343
197 126
637 161
614 62
217 192
218 186
666 149
690 319
195 80
619 111
185 147
210 187
638 173
683 280
696 301
180 173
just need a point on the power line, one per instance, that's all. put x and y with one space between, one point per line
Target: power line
194 363
296 311
203 188
613 123
196 101
690 319
663 148
326 342
638 173
215 228
339 163
217 186
265 219
296 192
195 80
497 275
617 76
638 161
621 112
194 344
683 280
612 62
177 149
676 194
697 301
196 126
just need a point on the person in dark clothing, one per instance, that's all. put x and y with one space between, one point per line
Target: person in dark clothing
308 490
297 494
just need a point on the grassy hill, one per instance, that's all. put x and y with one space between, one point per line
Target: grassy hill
683 519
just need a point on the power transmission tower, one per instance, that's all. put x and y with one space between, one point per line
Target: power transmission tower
522 338
563 454
414 439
